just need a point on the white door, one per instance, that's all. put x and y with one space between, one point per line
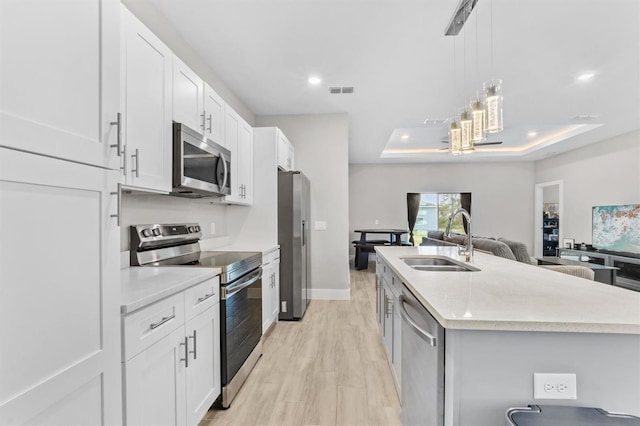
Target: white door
214 115
203 373
146 105
188 92
59 298
59 78
155 383
267 297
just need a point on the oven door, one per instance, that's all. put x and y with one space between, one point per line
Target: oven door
201 167
241 322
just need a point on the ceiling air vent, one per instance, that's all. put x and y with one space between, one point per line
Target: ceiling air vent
339 90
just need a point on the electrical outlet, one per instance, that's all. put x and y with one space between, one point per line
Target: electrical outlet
213 228
554 386
377 222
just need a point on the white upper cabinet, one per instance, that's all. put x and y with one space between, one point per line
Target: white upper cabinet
196 104
59 79
188 97
214 115
285 153
239 140
146 105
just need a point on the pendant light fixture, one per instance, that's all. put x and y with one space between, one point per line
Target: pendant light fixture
455 138
478 133
493 94
465 131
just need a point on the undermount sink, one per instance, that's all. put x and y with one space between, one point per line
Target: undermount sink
437 264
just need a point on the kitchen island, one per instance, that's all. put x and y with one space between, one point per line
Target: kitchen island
509 320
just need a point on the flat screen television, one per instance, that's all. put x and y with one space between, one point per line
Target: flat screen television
616 228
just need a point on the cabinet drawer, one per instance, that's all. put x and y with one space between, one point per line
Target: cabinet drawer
145 327
200 297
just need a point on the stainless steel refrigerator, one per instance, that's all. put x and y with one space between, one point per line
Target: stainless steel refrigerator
293 237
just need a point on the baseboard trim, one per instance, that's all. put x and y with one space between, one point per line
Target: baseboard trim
329 294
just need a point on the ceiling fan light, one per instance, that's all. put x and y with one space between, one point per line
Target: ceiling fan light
455 141
493 106
478 133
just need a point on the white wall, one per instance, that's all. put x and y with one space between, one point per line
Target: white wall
144 209
501 195
161 27
321 153
604 173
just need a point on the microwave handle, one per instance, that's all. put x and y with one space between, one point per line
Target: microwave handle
226 171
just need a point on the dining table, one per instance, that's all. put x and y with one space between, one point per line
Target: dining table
365 246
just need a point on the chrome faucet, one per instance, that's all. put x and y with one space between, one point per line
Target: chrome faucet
468 252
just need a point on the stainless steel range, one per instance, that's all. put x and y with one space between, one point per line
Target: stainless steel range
240 292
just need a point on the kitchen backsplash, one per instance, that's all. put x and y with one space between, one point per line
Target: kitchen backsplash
143 209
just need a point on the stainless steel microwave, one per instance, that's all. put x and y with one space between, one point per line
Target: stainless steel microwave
201 167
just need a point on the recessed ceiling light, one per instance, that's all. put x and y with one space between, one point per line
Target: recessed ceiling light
405 137
532 134
314 80
586 76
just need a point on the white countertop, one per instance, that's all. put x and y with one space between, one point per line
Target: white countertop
141 286
509 295
258 247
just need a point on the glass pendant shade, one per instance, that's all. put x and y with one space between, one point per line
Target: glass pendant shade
478 133
455 141
465 130
493 106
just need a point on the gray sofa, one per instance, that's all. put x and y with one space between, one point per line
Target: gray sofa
503 247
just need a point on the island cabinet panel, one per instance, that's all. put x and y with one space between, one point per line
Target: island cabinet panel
487 372
59 80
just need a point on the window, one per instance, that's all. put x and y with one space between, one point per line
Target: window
434 212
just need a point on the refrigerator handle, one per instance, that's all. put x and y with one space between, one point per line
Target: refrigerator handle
304 232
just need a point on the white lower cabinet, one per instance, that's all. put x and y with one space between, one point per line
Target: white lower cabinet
390 321
172 358
60 333
270 289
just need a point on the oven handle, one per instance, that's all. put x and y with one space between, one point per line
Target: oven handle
228 291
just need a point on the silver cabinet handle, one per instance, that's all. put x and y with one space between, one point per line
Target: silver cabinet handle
205 297
124 161
186 352
118 145
137 157
195 350
162 321
203 119
389 306
209 120
118 214
425 335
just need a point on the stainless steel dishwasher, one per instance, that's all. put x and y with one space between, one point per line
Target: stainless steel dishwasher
422 364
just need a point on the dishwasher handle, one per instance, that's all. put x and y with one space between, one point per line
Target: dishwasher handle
425 335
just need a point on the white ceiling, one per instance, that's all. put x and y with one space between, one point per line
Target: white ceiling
395 54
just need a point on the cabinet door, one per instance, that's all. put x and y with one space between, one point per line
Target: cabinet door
155 383
146 99
387 319
267 292
59 78
59 306
275 306
188 97
245 161
203 373
214 115
231 135
283 151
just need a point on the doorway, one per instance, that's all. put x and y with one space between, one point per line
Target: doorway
548 215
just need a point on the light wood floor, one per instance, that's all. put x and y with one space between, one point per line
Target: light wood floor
328 369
